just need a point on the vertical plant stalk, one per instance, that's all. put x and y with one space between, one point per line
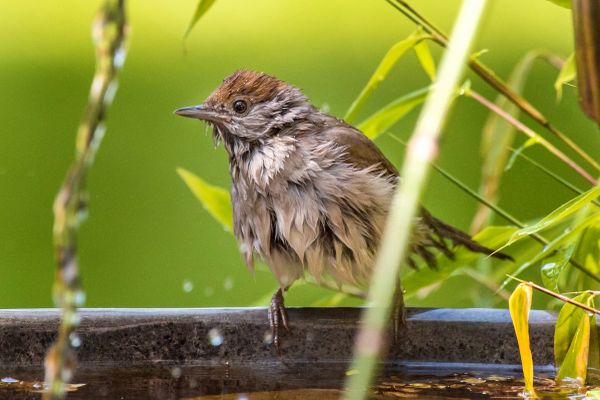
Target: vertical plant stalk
422 150
109 31
586 23
494 81
498 135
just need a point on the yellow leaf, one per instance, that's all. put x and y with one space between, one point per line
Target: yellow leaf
519 305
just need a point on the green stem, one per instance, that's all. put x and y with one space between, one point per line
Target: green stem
422 149
109 34
493 80
529 132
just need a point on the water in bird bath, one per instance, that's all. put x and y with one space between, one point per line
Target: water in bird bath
301 381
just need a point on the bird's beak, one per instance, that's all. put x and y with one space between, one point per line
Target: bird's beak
199 112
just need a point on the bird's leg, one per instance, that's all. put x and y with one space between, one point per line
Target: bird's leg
277 317
399 314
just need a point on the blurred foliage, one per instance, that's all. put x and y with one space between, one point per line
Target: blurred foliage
146 235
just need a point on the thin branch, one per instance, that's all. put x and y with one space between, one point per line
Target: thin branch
109 34
493 80
529 132
558 296
537 237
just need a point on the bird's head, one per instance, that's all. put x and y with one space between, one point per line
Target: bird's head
249 107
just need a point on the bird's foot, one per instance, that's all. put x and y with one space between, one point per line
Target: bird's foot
277 318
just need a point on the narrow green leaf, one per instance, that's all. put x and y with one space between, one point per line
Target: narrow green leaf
383 119
201 9
588 248
425 58
567 73
413 281
554 265
563 240
558 215
519 305
215 200
562 3
528 143
498 137
383 69
574 365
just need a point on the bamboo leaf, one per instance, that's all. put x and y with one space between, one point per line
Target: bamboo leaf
383 69
425 58
588 248
215 200
563 240
554 265
562 3
558 215
567 324
519 305
567 73
201 9
574 365
414 281
383 119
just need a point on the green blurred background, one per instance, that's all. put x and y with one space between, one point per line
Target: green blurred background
147 241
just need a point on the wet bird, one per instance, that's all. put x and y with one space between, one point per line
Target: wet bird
310 193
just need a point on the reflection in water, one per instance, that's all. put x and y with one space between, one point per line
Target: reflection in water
278 382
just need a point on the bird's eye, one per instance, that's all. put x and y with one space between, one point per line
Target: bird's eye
240 106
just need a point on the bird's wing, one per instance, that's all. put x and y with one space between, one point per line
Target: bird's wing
360 150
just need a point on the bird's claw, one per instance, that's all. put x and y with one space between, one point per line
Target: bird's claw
277 318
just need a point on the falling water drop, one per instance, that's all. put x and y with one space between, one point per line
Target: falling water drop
188 285
215 337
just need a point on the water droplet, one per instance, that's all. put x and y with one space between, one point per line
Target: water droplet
215 337
176 372
209 291
188 285
36 385
9 379
268 337
75 339
228 283
79 298
242 397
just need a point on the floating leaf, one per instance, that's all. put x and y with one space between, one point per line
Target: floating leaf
215 200
519 305
383 69
383 119
201 9
558 215
425 59
567 74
